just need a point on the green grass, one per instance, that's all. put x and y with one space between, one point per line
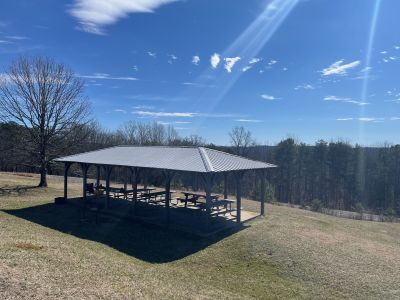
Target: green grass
46 251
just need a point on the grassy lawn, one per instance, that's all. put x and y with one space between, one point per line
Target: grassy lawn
46 251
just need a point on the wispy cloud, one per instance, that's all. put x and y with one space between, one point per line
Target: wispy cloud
338 68
395 119
304 87
246 68
344 99
17 37
196 60
272 62
215 60
159 114
252 62
155 98
107 77
230 63
5 42
164 114
94 15
364 119
249 120
151 54
120 110
172 58
268 97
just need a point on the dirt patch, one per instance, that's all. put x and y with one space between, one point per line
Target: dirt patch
28 246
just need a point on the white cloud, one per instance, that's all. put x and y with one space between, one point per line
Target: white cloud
394 118
164 114
335 98
249 120
304 87
268 97
215 60
17 37
343 99
371 119
251 63
396 47
338 68
384 52
285 69
246 68
107 76
152 54
254 60
364 119
5 42
156 114
196 60
272 62
136 68
230 62
94 15
172 58
120 110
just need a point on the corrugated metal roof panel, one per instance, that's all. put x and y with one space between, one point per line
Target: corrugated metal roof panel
192 159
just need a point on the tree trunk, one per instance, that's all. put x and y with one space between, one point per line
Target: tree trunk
43 169
43 178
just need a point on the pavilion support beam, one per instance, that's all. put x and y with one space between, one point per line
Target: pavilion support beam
195 182
262 192
208 184
67 165
135 180
238 177
98 170
145 178
125 182
168 178
225 185
84 168
108 178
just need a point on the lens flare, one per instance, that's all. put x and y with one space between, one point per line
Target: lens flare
364 91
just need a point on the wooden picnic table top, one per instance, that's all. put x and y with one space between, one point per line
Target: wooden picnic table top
199 194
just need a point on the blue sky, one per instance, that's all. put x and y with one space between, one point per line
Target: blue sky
315 69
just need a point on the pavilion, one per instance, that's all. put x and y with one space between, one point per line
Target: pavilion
205 162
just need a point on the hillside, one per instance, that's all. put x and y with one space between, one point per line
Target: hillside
46 252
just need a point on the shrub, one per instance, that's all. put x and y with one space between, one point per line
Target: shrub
316 205
359 208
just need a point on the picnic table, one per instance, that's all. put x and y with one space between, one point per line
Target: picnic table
194 197
156 197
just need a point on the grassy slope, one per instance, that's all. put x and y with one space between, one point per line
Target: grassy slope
45 251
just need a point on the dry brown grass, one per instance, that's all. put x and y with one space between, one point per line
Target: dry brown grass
290 254
28 246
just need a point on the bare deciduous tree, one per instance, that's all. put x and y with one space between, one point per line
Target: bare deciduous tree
47 99
241 139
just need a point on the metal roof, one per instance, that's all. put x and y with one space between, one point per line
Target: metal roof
192 159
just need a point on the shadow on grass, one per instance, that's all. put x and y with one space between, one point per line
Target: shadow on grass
146 242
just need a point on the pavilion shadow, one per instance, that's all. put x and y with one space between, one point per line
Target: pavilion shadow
146 242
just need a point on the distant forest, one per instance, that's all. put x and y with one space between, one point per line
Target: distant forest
332 175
